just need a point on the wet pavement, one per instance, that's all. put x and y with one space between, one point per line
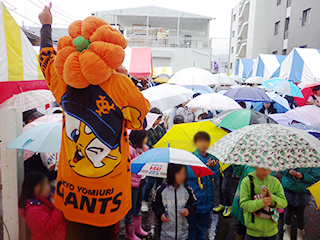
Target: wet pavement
222 228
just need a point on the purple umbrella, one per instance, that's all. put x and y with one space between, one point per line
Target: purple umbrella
248 94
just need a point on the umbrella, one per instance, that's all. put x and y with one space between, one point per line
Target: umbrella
213 101
235 119
311 112
224 79
306 92
193 76
51 118
42 138
315 191
154 162
200 89
288 118
236 78
257 80
166 96
181 135
280 103
270 146
315 131
151 118
161 80
283 86
29 100
222 92
250 94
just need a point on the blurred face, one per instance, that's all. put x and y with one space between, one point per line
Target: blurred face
144 142
157 122
317 92
185 103
267 105
262 172
42 189
181 176
202 145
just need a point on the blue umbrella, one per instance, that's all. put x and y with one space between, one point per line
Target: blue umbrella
315 131
249 94
200 89
283 86
280 104
42 138
154 162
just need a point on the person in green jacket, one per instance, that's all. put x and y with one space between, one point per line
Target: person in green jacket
272 193
295 183
242 171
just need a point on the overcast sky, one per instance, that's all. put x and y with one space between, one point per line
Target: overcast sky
66 11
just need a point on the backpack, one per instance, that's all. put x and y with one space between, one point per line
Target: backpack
267 212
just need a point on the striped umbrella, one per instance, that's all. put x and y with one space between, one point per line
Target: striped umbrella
249 94
29 100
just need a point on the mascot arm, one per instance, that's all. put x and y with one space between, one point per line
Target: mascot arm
137 106
46 59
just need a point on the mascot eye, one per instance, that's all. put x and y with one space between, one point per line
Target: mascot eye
95 150
75 135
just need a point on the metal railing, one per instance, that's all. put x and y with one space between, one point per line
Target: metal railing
289 3
144 40
286 34
242 20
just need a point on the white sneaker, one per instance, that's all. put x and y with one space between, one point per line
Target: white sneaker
144 207
287 232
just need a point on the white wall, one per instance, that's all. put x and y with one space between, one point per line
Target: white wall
233 40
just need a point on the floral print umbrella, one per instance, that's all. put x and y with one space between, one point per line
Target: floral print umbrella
270 146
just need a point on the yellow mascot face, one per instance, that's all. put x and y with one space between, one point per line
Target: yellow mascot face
92 158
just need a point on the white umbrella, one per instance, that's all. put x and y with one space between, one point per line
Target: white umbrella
213 101
224 79
166 96
236 78
29 100
256 79
151 118
193 76
280 100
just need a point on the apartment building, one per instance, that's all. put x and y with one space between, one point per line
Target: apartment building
249 30
293 23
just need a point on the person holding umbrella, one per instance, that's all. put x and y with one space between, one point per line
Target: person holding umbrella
315 98
295 183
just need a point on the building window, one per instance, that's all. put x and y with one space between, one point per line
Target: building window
276 28
274 52
278 2
304 46
286 28
284 52
306 17
233 33
230 65
288 3
234 17
232 49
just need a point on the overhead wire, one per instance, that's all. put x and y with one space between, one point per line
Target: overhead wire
58 12
54 6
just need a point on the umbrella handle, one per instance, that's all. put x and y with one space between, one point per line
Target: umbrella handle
200 184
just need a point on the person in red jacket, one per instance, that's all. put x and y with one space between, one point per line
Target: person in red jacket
42 218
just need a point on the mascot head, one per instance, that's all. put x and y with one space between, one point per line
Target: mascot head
90 54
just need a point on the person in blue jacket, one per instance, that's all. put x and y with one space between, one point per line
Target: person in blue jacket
295 183
204 189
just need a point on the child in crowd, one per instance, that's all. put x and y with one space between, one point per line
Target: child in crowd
42 218
295 183
138 140
258 191
204 191
154 135
174 203
224 193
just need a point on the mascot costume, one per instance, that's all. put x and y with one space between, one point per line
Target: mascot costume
93 184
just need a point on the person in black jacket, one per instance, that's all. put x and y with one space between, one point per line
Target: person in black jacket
173 204
268 108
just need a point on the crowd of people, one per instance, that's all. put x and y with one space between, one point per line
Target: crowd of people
89 203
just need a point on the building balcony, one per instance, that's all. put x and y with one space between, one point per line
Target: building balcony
244 7
169 41
243 26
242 50
286 34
